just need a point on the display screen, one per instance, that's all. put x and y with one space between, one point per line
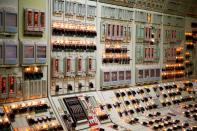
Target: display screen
68 63
79 64
42 19
103 29
117 30
3 85
56 64
75 108
35 18
114 76
152 53
30 20
1 51
11 19
174 52
121 75
1 19
121 31
152 72
125 31
0 83
11 84
29 52
159 33
146 53
90 64
146 73
129 31
109 30
149 30
128 75
106 76
11 51
166 54
41 51
157 72
140 74
146 32
113 30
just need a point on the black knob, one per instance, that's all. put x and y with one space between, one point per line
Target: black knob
59 128
158 114
145 99
101 129
127 103
80 85
137 109
187 114
69 86
175 127
155 127
175 86
142 109
150 122
115 126
179 127
91 85
35 120
109 106
118 95
145 123
166 87
189 130
177 121
165 124
102 107
150 115
30 121
160 126
134 93
147 90
57 88
129 93
123 94
157 121
164 104
44 118
141 91
131 111
2 113
120 114
133 101
169 129
169 103
39 119
136 119
160 88
165 96
117 104
126 113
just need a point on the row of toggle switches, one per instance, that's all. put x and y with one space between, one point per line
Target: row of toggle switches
72 47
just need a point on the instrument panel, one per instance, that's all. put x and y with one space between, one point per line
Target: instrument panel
163 106
86 65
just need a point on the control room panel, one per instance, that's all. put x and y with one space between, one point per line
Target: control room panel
105 65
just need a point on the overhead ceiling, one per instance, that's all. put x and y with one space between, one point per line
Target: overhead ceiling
175 7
